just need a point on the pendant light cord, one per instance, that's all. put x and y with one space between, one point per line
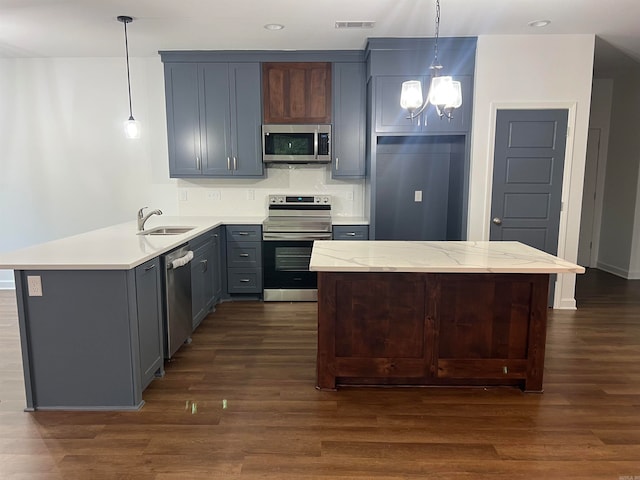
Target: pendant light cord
126 48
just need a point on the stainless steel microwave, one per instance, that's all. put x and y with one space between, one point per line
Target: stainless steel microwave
296 143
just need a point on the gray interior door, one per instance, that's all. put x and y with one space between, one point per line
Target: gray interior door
527 177
587 219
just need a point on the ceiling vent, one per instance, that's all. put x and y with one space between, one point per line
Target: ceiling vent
356 24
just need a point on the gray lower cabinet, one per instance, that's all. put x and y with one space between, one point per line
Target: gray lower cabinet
149 310
219 266
201 278
93 340
206 274
349 120
350 232
244 259
214 119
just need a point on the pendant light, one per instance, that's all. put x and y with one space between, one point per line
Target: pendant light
444 93
131 126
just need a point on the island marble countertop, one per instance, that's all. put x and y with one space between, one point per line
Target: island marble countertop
118 247
435 257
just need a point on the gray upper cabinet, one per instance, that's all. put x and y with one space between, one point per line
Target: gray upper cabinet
183 124
349 120
213 119
392 118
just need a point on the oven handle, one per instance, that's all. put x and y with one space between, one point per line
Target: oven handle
295 236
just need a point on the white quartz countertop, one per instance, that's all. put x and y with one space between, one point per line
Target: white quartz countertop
435 257
335 220
118 247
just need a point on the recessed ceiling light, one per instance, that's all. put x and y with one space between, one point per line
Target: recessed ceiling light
273 26
539 23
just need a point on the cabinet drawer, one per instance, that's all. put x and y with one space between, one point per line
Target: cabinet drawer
244 255
244 280
244 233
351 232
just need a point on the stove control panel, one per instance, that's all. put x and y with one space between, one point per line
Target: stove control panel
299 200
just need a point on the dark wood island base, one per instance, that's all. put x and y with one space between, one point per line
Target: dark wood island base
417 329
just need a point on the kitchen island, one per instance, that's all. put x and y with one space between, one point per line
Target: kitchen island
432 313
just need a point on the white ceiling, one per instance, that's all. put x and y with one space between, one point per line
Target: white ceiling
61 28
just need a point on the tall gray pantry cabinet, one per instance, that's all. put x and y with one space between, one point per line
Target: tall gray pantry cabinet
418 169
214 119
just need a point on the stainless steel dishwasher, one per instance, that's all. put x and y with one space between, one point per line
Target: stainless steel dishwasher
177 298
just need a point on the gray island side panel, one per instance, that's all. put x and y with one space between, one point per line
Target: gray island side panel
77 336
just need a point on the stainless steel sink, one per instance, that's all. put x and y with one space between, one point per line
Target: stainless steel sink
166 231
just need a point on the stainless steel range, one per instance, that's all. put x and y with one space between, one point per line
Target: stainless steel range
294 222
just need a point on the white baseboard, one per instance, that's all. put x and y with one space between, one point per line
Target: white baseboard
7 285
565 304
619 272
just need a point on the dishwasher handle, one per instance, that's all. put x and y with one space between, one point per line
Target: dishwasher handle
181 261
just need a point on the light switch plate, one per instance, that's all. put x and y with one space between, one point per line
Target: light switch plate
34 285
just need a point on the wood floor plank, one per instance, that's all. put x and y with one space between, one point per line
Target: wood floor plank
239 403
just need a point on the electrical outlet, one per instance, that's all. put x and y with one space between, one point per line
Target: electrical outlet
183 195
251 194
417 196
214 195
350 195
34 285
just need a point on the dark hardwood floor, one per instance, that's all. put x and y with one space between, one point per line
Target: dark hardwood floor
239 403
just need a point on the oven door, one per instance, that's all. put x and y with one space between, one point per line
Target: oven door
286 271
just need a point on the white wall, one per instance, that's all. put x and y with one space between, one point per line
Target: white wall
532 71
66 168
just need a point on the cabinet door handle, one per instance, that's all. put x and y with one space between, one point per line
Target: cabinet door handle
228 163
245 280
244 255
205 265
235 163
215 235
198 163
150 267
337 163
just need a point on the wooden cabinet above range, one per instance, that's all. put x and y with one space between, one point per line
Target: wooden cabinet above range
296 92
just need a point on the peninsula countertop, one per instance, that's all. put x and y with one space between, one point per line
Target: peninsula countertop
435 257
118 247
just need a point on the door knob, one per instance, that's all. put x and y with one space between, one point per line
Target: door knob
497 221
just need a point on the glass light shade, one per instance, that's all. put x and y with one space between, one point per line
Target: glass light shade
411 96
132 128
442 91
457 98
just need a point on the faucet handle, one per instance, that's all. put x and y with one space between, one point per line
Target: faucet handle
140 214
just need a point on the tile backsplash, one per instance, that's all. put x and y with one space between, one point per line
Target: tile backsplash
249 196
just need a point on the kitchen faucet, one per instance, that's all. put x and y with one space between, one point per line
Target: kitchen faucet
142 218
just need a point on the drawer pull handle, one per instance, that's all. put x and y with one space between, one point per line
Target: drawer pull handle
244 255
350 234
150 267
244 280
505 370
243 234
